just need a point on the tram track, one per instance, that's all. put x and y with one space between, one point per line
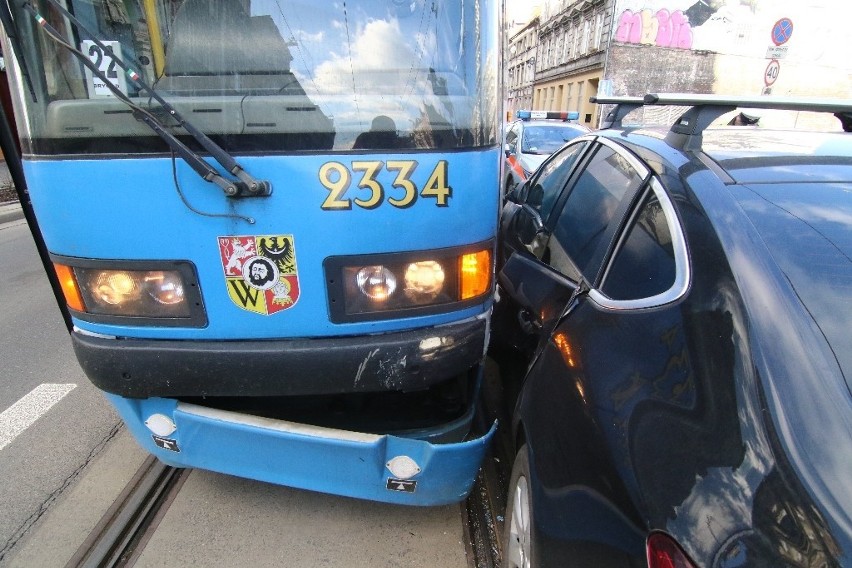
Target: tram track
122 532
484 509
120 536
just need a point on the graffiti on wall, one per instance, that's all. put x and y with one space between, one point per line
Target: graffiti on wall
662 28
710 25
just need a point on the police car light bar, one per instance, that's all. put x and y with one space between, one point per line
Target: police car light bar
547 115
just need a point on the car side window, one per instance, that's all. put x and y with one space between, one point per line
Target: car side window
591 207
547 186
644 265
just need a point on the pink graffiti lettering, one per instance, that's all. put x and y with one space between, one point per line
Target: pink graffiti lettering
664 29
629 27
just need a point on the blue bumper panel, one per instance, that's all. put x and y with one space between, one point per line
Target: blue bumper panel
332 461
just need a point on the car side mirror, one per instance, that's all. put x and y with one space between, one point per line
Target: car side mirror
514 194
535 220
518 194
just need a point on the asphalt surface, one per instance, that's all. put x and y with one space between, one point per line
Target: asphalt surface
43 453
10 212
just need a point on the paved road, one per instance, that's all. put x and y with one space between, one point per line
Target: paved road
39 461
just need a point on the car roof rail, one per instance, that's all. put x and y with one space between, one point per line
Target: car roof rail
687 131
705 109
623 107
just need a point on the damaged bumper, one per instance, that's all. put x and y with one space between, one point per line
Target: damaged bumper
393 469
404 360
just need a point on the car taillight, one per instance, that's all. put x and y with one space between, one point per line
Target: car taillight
664 552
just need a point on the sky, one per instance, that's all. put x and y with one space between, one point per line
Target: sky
521 11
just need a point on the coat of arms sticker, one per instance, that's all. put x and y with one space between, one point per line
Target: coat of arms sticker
260 272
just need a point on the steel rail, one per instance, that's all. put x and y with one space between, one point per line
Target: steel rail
131 518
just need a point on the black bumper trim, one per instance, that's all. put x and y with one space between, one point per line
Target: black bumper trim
407 360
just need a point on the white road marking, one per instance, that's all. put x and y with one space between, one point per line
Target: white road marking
30 408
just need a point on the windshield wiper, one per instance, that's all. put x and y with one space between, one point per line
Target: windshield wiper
247 186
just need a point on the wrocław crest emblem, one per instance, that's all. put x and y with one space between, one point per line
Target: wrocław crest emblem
260 272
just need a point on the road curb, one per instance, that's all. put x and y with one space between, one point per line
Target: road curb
10 212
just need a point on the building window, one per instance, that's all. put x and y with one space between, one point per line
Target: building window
575 45
569 37
599 17
584 47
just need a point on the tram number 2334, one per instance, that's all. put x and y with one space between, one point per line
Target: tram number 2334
403 193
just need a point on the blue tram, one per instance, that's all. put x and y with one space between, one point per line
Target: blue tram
272 224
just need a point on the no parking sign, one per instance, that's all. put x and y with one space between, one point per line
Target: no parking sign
782 30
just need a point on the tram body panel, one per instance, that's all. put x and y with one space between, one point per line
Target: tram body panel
141 216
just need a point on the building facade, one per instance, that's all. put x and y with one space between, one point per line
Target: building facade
573 38
523 49
632 47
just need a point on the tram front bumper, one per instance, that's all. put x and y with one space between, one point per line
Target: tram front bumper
402 360
376 467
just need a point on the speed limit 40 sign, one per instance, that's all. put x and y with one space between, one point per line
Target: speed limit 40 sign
771 73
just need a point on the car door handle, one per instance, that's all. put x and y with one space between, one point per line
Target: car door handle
528 321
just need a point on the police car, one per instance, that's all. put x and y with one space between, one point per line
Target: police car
534 137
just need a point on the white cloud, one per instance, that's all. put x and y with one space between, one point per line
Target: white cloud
380 46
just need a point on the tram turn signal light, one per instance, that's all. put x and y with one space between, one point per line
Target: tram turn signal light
475 274
68 282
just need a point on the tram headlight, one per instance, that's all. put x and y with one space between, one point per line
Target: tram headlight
165 287
114 287
407 284
424 279
376 282
112 292
139 293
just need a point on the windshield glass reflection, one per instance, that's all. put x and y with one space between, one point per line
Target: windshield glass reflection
274 74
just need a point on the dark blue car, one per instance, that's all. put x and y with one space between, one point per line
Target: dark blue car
682 302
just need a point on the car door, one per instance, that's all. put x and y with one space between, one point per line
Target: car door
615 345
523 230
512 169
560 232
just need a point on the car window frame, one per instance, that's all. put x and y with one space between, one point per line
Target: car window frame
578 163
683 270
619 220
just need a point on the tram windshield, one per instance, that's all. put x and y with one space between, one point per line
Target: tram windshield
261 75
